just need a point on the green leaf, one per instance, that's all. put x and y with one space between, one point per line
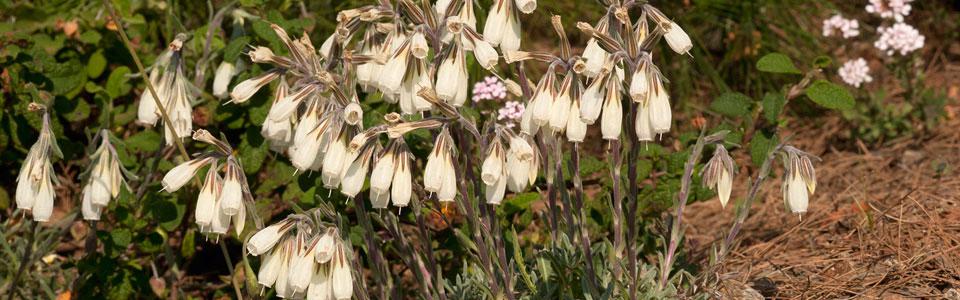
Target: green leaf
777 63
830 95
760 145
73 110
96 64
145 141
67 77
121 237
235 48
189 245
117 82
822 61
772 106
90 37
732 104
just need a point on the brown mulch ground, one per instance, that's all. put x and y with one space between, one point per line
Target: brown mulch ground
883 224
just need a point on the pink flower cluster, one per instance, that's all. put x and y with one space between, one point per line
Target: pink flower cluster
900 37
511 111
837 25
855 72
490 88
890 9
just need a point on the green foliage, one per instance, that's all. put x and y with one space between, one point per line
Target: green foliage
830 95
732 104
777 63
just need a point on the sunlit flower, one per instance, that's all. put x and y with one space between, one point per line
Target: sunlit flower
490 88
899 38
855 72
890 9
837 25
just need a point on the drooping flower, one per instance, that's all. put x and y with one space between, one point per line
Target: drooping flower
221 201
221 79
718 174
303 260
36 179
174 93
855 72
800 180
105 178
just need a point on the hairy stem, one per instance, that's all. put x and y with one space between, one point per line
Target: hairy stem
676 231
24 261
582 215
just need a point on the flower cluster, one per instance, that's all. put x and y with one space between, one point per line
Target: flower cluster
105 178
302 259
221 200
890 9
174 91
36 179
855 72
511 111
490 88
900 38
838 25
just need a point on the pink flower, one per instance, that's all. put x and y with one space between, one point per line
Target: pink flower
490 88
890 9
837 25
511 111
900 38
855 72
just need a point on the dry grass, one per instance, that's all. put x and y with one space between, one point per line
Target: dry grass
883 224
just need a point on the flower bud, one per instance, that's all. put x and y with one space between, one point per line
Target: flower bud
492 167
576 128
527 6
261 54
43 203
221 80
272 265
591 102
448 190
247 88
266 238
391 78
333 162
494 192
355 173
402 185
486 56
642 124
560 108
89 210
612 118
660 114
340 275
497 19
179 175
510 39
326 246
206 208
639 84
678 40
231 196
302 269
